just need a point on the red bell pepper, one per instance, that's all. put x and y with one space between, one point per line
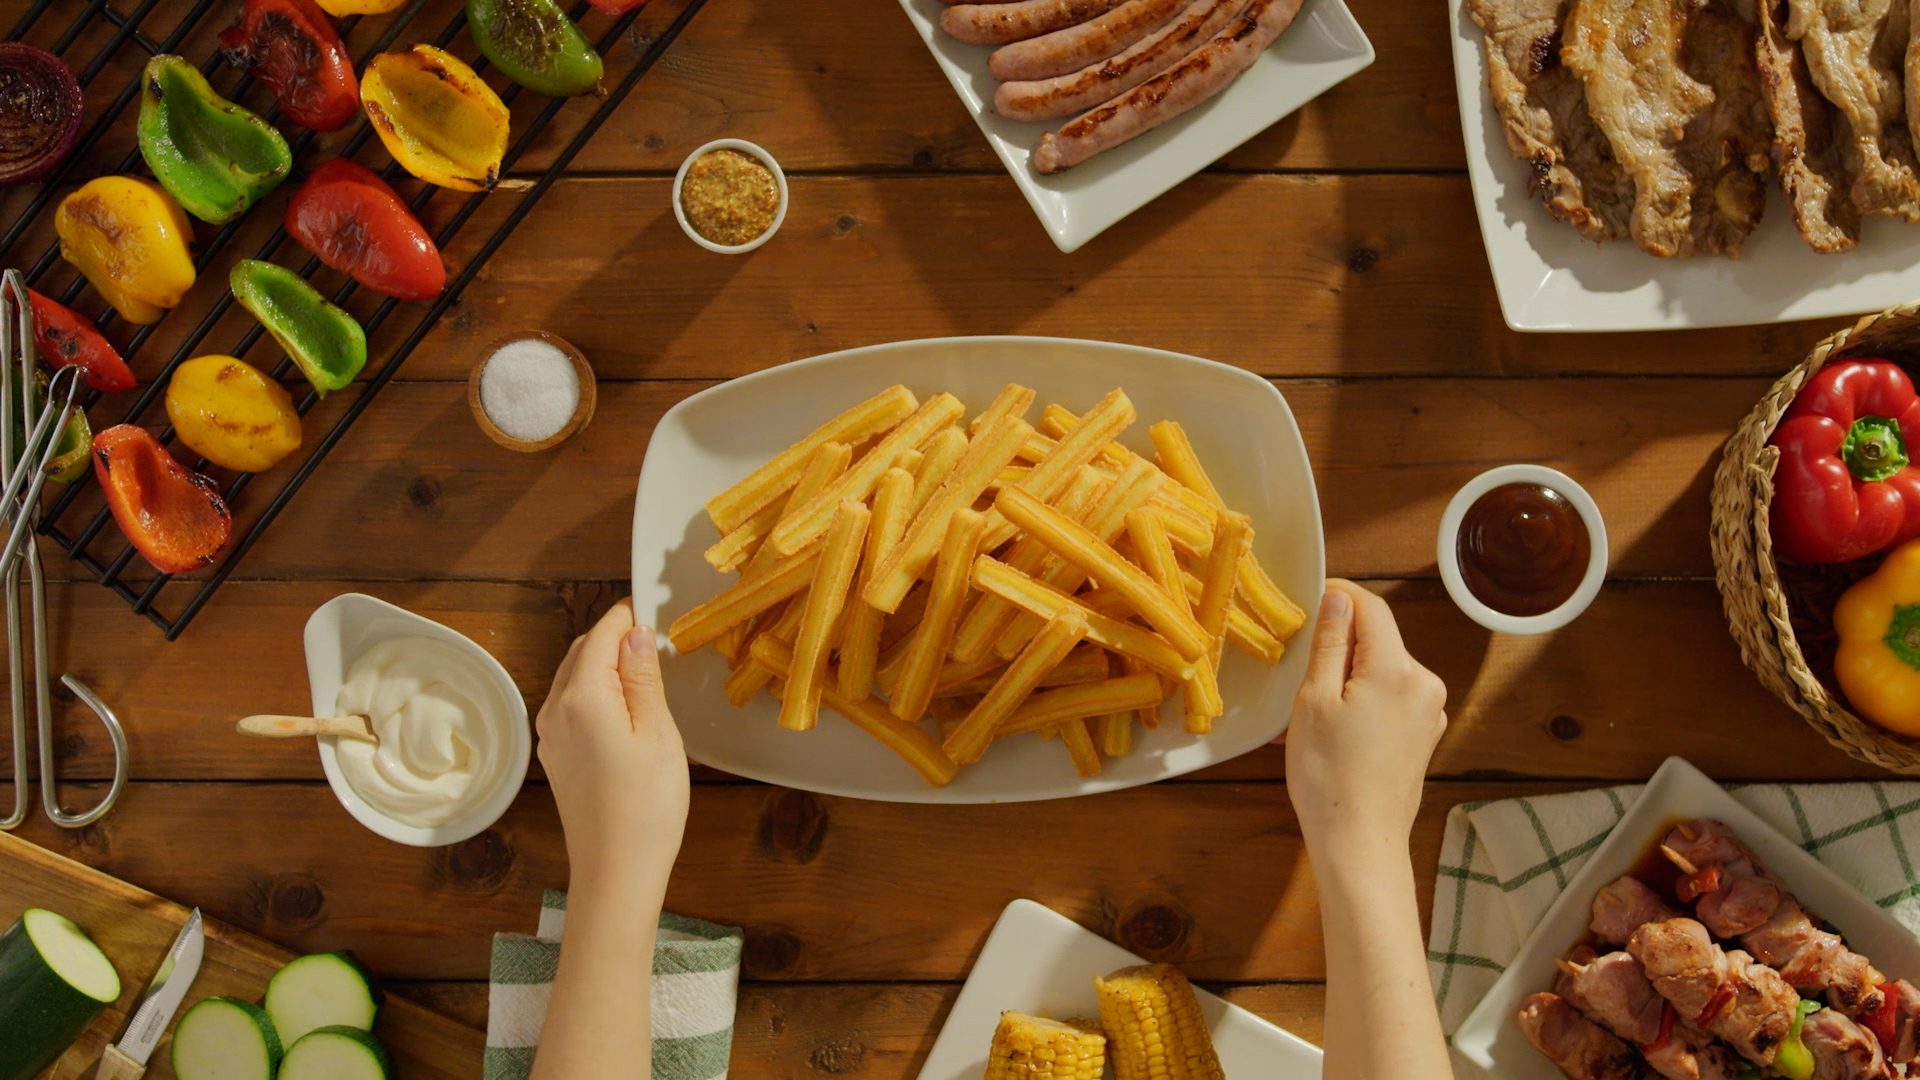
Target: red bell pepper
63 337
292 47
1666 1031
1843 489
353 221
1881 1021
172 515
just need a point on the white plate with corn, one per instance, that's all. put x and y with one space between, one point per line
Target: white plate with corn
1049 1000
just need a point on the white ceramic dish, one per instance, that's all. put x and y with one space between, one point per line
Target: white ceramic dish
1448 553
752 150
1239 424
338 632
1040 962
1323 48
1491 1038
1548 278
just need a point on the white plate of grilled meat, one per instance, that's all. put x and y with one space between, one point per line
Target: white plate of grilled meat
1098 107
1039 962
1684 948
1620 151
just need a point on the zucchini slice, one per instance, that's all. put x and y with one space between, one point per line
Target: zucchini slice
225 1039
53 982
337 1053
322 990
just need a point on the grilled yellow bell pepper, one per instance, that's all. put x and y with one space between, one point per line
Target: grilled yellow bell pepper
437 118
1878 623
231 414
131 241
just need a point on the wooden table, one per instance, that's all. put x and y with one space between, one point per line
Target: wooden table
1337 254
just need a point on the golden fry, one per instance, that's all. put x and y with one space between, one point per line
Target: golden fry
747 542
1049 647
1057 421
1050 707
732 507
1232 537
992 448
805 523
1180 462
1013 400
909 461
1051 475
742 602
992 575
1264 598
1135 485
1095 558
943 453
860 636
1080 748
1087 663
746 682
913 689
870 715
1149 534
1244 632
1116 734
1189 533
832 578
985 620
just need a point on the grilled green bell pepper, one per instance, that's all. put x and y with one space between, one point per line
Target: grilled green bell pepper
71 456
325 341
211 155
534 43
1794 1061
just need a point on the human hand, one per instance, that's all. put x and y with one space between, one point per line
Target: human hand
1364 725
613 755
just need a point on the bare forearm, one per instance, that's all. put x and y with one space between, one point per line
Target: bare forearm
598 1019
1381 1021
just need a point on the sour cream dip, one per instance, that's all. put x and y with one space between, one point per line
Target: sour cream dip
445 745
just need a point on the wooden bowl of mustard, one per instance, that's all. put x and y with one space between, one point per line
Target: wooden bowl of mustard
730 196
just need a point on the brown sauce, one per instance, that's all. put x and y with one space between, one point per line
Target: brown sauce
1523 549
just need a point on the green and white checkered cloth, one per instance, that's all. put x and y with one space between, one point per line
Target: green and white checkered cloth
696 982
1503 863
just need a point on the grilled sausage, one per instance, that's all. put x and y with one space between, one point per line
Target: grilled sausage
1003 24
1090 42
1068 95
1209 70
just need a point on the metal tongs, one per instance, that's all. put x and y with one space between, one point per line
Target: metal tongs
25 452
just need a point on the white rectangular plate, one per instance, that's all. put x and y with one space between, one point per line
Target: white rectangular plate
1548 278
1491 1037
1323 48
1239 424
1042 963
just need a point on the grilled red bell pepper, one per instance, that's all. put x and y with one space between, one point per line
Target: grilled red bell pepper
1844 489
64 338
292 47
353 221
1882 1020
170 514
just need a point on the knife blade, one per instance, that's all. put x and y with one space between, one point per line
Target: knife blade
164 994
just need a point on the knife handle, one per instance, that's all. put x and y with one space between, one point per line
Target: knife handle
115 1065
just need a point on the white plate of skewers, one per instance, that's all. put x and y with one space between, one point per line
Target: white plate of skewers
1323 47
1240 429
1493 1039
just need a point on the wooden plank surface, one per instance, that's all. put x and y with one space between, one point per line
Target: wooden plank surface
135 928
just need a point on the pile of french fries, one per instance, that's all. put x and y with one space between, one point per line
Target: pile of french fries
993 577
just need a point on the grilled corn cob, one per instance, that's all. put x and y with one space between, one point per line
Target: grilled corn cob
1034 1048
1154 1025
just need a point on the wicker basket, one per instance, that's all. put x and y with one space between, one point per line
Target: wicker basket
1751 588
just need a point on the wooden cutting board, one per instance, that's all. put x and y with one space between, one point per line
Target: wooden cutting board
134 927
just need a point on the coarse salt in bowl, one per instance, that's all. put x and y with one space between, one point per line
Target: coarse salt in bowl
531 391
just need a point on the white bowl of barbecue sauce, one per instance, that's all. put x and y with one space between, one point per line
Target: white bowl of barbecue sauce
1523 549
454 742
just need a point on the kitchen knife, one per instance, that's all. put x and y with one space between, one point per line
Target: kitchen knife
127 1059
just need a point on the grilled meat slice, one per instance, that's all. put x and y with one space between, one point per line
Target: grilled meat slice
1621 907
1738 896
1747 1004
1856 53
1580 1047
1906 1021
1807 956
1809 148
1728 148
1543 114
1613 991
1842 1049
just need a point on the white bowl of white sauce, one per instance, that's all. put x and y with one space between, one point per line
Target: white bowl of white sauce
454 739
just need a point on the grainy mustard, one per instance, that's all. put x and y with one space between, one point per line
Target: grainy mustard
729 197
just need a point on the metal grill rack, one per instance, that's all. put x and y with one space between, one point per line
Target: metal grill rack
75 530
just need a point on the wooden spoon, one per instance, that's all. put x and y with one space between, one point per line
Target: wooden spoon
292 727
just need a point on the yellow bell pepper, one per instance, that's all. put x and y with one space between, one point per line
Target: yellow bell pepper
437 118
231 414
1878 623
344 8
130 239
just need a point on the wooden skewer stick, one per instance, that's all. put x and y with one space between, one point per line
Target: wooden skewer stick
292 727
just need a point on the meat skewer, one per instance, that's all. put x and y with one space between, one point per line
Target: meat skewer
1613 990
1747 1004
1622 907
1581 1048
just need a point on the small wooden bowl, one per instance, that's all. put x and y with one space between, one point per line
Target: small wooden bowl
582 413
